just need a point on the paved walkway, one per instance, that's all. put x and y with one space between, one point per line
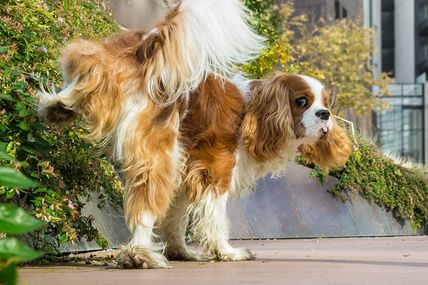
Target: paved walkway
396 260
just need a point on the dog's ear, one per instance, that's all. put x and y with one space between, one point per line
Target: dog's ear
268 124
330 152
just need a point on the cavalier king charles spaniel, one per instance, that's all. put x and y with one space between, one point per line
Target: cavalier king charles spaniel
185 132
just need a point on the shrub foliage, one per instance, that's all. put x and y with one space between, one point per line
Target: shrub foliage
66 167
402 190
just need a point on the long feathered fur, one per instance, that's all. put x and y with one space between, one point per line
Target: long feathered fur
197 38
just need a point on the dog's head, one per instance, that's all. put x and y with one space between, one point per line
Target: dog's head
289 109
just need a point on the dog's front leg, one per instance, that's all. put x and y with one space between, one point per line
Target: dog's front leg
173 229
211 225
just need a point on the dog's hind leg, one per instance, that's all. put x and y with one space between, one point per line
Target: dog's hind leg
145 205
173 229
152 162
211 225
142 252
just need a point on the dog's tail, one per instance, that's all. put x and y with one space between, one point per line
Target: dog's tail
196 38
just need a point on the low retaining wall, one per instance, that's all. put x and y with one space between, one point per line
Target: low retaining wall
294 205
297 205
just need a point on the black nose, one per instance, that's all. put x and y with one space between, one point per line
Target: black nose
323 114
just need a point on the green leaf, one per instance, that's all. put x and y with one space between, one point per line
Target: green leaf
16 251
8 274
6 97
14 220
5 156
11 178
10 194
24 126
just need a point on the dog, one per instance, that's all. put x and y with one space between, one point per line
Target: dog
186 130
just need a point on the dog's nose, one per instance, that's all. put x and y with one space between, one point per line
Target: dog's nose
323 114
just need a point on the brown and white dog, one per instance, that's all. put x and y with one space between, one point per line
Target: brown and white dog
185 136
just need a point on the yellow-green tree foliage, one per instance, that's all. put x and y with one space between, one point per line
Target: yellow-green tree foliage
279 54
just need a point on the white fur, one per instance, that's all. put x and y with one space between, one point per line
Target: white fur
143 231
49 98
217 31
311 122
133 107
142 252
247 170
210 225
243 85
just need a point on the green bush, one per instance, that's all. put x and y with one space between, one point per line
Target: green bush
67 168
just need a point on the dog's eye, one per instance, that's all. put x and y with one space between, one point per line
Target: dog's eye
301 102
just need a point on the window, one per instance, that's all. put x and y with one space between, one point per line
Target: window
401 127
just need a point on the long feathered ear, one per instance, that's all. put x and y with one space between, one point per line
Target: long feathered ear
331 152
268 124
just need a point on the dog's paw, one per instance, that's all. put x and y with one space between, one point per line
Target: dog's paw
182 254
140 258
235 254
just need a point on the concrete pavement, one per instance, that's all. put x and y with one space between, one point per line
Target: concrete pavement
392 260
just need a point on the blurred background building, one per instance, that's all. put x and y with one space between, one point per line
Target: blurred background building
138 14
401 32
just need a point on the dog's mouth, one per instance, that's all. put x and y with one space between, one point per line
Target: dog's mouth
324 132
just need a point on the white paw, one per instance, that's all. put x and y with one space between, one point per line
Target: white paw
235 254
140 257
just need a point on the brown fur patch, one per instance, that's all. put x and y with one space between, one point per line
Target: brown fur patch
210 136
148 167
298 88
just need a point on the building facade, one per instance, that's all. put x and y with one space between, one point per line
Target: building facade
401 34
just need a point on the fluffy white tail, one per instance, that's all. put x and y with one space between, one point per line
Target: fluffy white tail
197 37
